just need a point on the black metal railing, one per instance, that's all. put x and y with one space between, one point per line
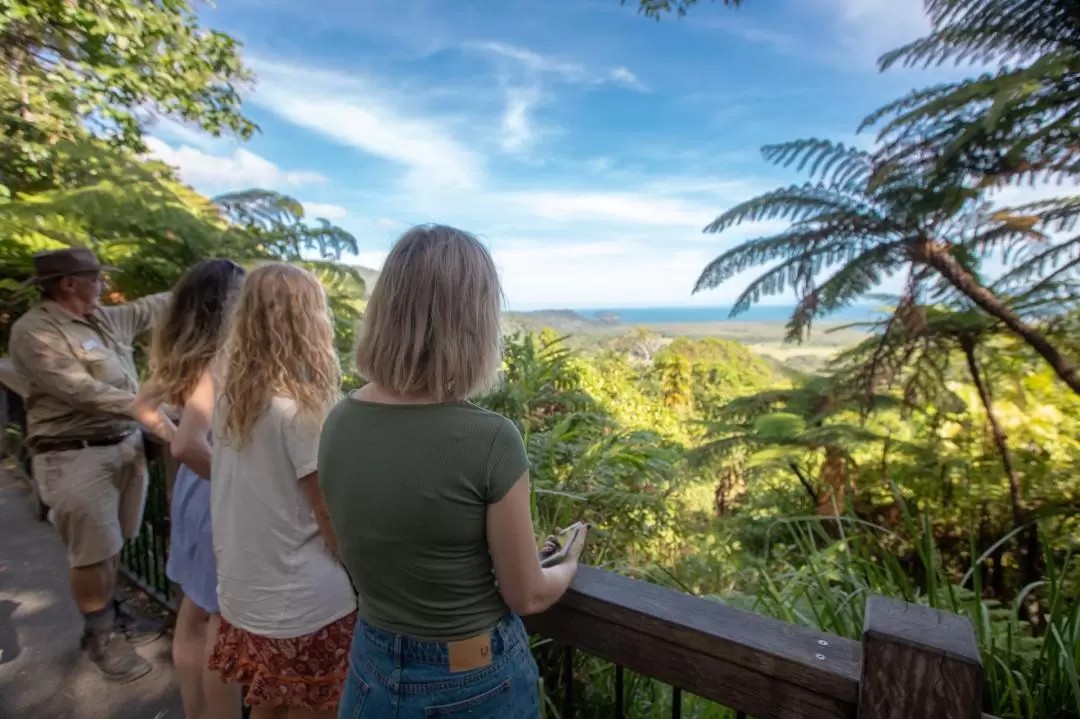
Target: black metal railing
143 558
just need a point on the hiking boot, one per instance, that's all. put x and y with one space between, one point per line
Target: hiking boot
137 630
112 654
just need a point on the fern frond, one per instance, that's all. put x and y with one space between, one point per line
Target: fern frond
796 203
1056 215
907 103
858 276
826 245
834 162
1029 274
747 408
261 208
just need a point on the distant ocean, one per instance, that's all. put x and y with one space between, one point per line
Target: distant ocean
695 315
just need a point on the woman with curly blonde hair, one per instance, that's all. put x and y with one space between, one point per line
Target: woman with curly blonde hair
287 604
186 342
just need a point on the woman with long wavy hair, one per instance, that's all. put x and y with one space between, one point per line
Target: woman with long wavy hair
287 605
185 345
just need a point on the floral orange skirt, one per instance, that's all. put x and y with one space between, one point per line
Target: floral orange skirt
307 671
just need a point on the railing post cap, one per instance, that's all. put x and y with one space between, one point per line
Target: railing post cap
921 627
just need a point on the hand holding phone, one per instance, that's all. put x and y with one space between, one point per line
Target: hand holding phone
564 545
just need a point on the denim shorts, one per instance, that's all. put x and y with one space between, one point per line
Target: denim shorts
392 676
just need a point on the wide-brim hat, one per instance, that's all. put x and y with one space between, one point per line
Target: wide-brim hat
62 263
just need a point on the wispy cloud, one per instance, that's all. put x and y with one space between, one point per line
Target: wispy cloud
867 28
517 131
857 32
629 207
590 272
746 30
325 211
565 70
350 111
238 170
184 134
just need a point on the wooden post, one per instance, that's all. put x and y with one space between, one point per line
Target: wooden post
918 662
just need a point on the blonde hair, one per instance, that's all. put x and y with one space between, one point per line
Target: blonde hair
280 344
432 324
189 333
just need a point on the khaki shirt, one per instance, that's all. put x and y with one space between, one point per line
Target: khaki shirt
80 372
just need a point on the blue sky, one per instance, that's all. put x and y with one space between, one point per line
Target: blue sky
584 143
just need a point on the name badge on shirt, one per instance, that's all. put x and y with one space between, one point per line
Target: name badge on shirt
470 654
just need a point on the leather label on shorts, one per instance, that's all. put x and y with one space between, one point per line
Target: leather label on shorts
470 654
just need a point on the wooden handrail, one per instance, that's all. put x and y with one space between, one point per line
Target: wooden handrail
913 661
747 661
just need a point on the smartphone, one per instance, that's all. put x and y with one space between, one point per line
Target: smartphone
568 536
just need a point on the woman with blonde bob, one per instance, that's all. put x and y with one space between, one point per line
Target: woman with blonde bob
185 345
429 496
287 605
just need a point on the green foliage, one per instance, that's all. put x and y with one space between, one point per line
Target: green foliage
585 465
704 374
779 426
105 67
822 583
585 420
136 217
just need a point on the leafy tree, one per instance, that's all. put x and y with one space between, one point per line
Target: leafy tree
675 381
865 221
915 347
138 218
706 374
105 68
641 343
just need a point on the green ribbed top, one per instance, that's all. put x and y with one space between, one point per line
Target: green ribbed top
407 487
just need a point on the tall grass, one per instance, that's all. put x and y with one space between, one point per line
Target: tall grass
819 574
822 581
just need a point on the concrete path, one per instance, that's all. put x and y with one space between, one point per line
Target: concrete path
43 675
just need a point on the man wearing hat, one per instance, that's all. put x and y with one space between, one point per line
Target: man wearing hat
77 361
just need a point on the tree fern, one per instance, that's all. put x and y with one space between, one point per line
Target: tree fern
984 31
868 218
1021 122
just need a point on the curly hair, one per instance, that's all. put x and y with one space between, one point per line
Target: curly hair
280 344
432 323
190 331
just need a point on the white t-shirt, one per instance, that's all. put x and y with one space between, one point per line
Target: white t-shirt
276 576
